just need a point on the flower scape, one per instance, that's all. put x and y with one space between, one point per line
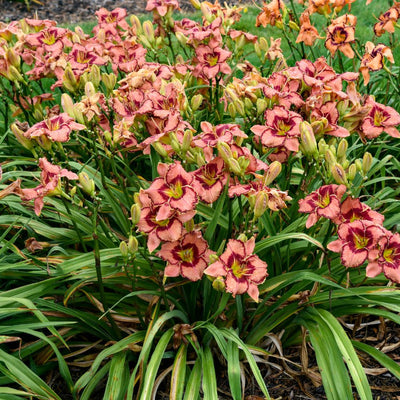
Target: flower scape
181 197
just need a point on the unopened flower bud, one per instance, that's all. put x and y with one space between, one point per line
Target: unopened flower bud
219 284
109 81
19 135
182 39
224 151
136 22
366 163
342 149
15 75
133 245
196 4
261 204
187 140
322 147
345 164
308 142
213 258
232 110
200 159
274 170
264 46
252 200
72 192
189 226
358 163
205 9
135 214
240 107
87 184
13 58
69 79
248 105
123 248
67 104
89 89
95 75
261 105
196 102
257 49
294 26
148 30
339 175
234 166
330 158
352 172
160 149
44 142
176 146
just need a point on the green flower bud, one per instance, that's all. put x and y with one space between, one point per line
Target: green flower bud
339 174
366 163
88 185
133 245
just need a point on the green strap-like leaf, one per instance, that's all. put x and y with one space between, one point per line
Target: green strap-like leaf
178 374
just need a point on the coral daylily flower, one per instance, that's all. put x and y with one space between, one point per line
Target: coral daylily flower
356 240
210 61
50 184
57 128
281 129
373 59
308 33
324 202
162 6
387 21
270 14
187 256
243 271
380 119
387 259
340 34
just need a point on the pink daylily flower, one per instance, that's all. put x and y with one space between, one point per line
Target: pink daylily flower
243 271
210 61
282 128
187 256
324 202
330 114
57 128
173 190
50 184
387 259
356 240
210 179
162 7
159 230
380 119
51 39
352 210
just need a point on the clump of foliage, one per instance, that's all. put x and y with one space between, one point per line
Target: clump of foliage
171 210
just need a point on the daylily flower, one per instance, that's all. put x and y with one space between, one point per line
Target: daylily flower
340 34
210 61
328 114
387 21
51 39
159 230
210 179
57 128
187 256
50 184
162 7
324 202
270 14
173 190
281 129
243 271
112 21
352 210
387 259
308 33
373 59
356 240
380 119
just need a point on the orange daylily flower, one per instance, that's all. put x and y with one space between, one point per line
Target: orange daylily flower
340 34
373 59
270 14
387 20
308 33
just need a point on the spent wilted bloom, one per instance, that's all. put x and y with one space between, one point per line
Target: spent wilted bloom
380 119
57 128
386 258
324 202
352 209
50 184
282 128
356 240
308 33
187 257
373 59
243 271
271 13
340 34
